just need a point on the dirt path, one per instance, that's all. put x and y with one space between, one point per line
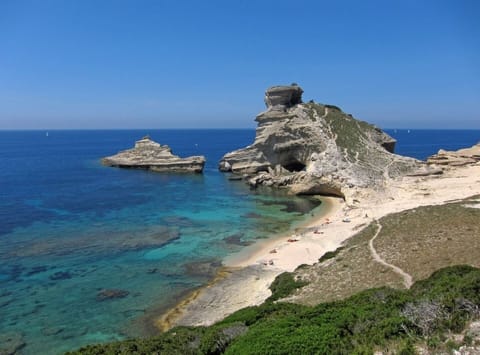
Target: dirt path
325 113
407 278
387 168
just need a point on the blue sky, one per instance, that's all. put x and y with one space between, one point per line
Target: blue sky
206 64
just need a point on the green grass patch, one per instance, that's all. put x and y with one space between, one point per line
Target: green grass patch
330 254
283 285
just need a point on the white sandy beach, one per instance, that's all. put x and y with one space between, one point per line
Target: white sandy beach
251 272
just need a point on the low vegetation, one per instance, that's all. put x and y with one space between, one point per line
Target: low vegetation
330 254
350 134
283 285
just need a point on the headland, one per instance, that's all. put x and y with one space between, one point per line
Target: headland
318 149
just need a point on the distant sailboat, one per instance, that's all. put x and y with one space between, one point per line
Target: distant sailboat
46 134
408 131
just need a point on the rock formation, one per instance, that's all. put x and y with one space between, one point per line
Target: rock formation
312 148
282 97
150 155
456 158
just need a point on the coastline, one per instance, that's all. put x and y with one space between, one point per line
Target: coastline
240 269
244 269
168 319
245 279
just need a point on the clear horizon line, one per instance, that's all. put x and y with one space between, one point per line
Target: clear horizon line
210 128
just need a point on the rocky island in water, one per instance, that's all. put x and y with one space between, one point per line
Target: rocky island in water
151 155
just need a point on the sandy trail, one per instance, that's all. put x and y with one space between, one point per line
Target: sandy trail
407 278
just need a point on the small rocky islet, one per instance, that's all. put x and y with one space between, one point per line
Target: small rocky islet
150 155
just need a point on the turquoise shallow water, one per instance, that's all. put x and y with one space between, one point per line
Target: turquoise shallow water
90 254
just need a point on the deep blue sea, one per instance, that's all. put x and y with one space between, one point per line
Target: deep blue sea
71 230
421 143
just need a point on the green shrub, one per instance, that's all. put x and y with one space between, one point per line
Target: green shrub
217 338
283 285
333 107
330 254
407 348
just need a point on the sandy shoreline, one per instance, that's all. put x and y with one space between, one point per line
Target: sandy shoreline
261 252
245 279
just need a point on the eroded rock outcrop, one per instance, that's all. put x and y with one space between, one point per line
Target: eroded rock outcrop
150 155
314 148
282 97
459 157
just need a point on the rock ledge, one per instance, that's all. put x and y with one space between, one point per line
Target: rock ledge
460 157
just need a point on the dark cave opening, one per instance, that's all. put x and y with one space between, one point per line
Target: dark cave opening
294 166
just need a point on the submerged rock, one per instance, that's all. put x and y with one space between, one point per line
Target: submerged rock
49 331
236 239
313 148
459 157
36 270
11 342
150 155
60 275
95 241
205 268
109 294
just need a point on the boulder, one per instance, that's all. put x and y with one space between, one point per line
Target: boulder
150 155
312 148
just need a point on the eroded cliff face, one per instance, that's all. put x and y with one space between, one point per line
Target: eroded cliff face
312 148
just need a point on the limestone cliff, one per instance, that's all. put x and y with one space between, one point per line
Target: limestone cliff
314 148
150 155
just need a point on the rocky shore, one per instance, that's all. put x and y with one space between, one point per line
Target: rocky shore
153 156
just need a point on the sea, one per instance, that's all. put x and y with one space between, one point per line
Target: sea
92 254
